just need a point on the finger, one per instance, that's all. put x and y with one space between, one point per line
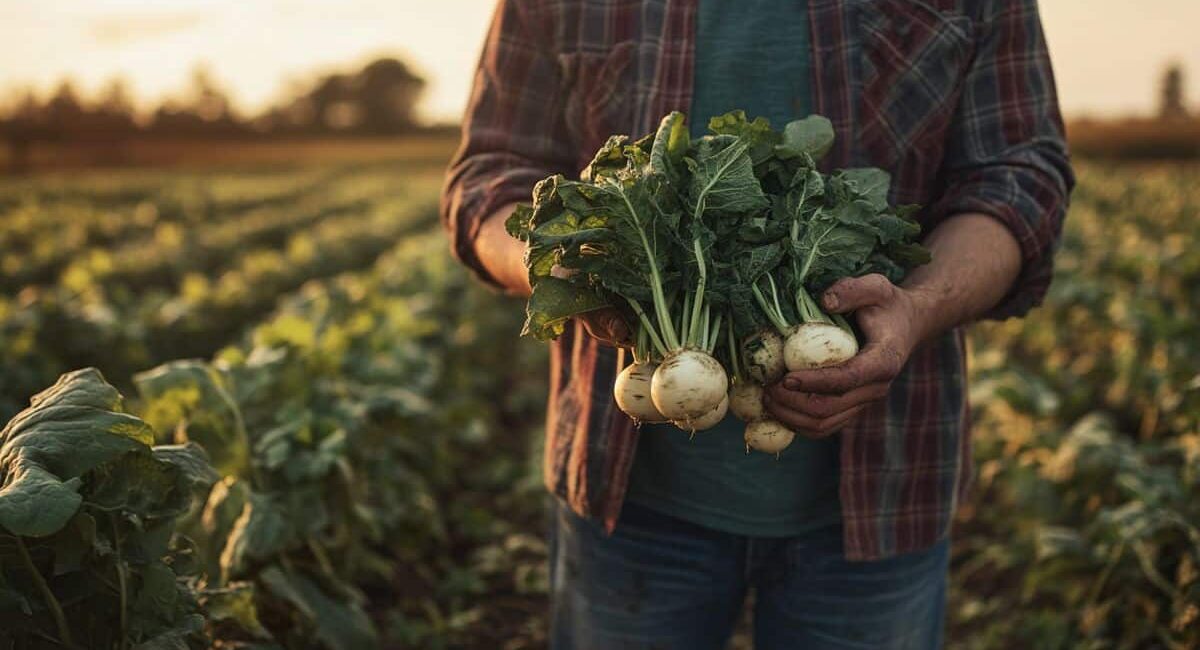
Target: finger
793 419
614 325
807 425
823 405
878 362
606 325
848 294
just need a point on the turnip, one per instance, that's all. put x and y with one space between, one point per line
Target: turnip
688 384
746 400
632 392
817 345
706 421
767 435
762 354
818 340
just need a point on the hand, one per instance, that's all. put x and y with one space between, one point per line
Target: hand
819 402
607 326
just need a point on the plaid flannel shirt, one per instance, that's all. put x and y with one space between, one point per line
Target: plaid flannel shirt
955 98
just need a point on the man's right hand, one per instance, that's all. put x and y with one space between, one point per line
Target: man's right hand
607 326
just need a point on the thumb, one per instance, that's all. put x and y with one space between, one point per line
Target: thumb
848 294
617 329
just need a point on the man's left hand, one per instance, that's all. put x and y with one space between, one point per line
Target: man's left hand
819 402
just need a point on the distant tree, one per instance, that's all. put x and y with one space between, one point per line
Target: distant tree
1171 101
388 93
204 110
115 111
381 98
64 112
333 103
116 98
24 124
206 97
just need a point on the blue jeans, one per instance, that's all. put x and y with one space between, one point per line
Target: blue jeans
666 584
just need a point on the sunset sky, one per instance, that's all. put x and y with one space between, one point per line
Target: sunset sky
1108 53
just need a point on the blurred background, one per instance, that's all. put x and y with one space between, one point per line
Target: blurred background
229 209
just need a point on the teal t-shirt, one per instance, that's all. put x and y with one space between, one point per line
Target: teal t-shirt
754 55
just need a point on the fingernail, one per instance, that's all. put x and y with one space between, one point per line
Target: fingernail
831 301
791 384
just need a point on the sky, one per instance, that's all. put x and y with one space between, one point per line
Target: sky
1108 54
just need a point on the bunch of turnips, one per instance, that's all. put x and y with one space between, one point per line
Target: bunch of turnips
712 249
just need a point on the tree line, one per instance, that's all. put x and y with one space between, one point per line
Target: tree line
379 99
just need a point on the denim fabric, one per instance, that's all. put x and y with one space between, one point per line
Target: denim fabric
663 583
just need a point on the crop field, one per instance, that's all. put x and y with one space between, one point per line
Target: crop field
326 441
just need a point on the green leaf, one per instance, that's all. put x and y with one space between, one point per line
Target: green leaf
234 605
608 161
73 544
671 143
192 462
225 504
261 532
191 398
834 242
138 483
870 184
553 303
68 430
519 222
723 181
812 136
337 625
157 594
758 134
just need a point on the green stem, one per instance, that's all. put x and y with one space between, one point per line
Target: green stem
1098 585
648 327
699 303
714 334
775 297
322 560
640 351
660 301
121 581
734 352
685 320
810 311
771 313
808 261
796 237
60 620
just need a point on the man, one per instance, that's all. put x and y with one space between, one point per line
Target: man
657 539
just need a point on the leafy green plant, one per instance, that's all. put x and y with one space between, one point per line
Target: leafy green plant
88 555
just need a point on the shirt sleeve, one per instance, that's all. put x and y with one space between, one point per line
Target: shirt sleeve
513 132
1006 153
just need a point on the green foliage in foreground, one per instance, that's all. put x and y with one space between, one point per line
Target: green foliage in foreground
1084 528
88 509
342 428
396 402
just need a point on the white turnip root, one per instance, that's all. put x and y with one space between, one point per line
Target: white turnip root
746 400
706 421
817 345
632 392
762 355
688 384
767 435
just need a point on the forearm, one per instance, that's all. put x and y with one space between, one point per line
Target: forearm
975 261
501 255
